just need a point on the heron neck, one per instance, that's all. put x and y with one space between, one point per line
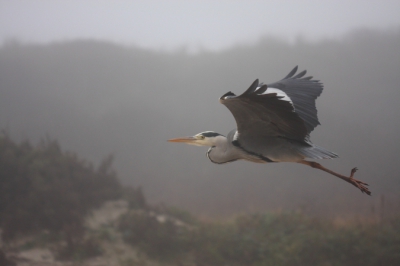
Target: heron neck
222 151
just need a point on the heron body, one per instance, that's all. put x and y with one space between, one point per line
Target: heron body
274 123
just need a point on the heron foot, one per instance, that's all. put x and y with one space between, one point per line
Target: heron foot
357 183
350 179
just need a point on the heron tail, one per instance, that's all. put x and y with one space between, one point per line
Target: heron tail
316 152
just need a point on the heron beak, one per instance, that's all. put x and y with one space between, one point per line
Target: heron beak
189 140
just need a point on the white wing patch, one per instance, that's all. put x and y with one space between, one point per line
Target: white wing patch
279 93
236 136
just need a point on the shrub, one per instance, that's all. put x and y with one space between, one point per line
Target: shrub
266 239
44 188
161 240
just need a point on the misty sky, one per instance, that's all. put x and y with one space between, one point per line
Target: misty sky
192 24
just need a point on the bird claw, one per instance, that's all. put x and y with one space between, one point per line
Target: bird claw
360 184
355 169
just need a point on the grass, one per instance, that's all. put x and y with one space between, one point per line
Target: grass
267 239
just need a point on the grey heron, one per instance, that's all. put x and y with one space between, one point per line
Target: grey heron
274 122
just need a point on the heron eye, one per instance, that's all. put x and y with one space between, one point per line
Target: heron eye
201 137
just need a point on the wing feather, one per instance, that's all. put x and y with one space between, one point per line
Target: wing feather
264 115
303 92
273 126
252 88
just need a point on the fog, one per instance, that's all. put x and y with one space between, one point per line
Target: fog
98 97
192 25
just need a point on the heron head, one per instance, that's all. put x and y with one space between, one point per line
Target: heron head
207 138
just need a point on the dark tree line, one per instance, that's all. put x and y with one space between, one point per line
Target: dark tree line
45 188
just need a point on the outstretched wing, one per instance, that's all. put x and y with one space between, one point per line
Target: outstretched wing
302 92
261 115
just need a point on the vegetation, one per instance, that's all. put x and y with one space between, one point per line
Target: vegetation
266 239
43 188
160 240
46 190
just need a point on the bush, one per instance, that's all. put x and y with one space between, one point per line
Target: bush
134 197
44 188
163 240
266 239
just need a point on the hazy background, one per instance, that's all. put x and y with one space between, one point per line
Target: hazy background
123 77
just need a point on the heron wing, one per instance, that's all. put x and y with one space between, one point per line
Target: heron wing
303 92
260 115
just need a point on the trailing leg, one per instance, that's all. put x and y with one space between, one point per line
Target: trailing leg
357 183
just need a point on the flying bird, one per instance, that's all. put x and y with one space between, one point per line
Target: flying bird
274 122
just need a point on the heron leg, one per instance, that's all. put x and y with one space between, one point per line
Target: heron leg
357 183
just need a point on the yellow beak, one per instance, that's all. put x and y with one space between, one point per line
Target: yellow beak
184 140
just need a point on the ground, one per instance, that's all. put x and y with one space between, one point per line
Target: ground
101 221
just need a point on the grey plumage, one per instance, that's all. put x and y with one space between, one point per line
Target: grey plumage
274 123
274 128
303 92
